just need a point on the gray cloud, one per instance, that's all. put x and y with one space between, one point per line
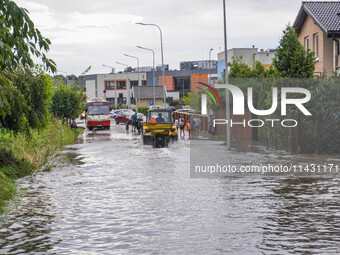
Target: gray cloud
93 33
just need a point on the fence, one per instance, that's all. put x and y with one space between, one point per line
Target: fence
319 133
204 119
244 133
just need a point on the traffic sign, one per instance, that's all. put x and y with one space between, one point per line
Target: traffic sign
151 103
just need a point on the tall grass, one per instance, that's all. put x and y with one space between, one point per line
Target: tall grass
21 154
38 145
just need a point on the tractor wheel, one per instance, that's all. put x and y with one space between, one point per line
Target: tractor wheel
160 141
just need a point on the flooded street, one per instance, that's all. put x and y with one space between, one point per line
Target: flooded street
109 194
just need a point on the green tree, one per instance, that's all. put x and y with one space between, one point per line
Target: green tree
19 41
291 60
67 101
4 105
14 117
19 38
37 89
239 70
28 94
192 99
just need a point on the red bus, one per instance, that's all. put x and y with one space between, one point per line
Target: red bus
97 113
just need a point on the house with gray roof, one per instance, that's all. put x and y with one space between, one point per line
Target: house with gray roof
318 27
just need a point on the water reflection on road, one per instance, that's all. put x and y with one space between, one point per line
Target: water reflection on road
109 194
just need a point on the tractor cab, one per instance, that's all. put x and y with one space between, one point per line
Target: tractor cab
159 128
159 116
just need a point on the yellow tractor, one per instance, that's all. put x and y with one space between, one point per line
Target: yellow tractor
159 130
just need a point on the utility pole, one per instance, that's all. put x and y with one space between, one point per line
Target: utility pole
163 68
226 78
138 77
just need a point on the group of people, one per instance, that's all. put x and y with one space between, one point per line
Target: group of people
192 126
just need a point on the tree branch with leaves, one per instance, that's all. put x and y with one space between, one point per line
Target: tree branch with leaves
19 39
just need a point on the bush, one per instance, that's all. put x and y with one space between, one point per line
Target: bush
67 101
143 109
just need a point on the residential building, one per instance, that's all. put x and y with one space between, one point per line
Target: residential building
318 27
265 57
145 95
182 81
115 87
201 64
247 56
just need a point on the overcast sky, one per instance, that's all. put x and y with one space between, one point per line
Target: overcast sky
91 33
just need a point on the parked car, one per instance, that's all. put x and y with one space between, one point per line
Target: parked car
186 110
172 108
123 117
126 110
114 113
155 107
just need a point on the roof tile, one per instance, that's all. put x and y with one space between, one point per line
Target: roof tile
326 14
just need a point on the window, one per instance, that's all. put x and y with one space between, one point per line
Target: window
121 100
109 85
133 83
306 43
121 84
111 100
161 116
98 109
316 45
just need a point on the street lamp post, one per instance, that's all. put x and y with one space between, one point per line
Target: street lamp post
59 71
112 71
112 68
160 31
122 64
153 73
137 76
226 77
210 65
183 88
129 86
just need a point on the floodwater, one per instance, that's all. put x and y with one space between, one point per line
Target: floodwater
109 194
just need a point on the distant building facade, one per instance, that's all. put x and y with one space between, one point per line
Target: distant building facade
182 81
144 95
247 56
198 65
117 87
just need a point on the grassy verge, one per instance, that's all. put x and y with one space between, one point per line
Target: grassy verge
21 154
